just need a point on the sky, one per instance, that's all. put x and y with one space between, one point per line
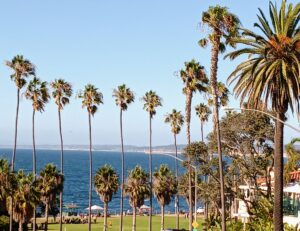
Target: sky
107 43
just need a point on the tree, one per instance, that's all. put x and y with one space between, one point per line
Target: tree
6 184
62 91
123 97
223 27
151 102
203 112
37 92
194 79
106 182
137 188
271 75
292 160
91 98
25 198
176 120
164 188
22 68
50 183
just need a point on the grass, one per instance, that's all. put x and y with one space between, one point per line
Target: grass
142 224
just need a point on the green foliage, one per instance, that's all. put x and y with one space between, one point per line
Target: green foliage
222 95
292 161
123 96
151 102
176 120
62 91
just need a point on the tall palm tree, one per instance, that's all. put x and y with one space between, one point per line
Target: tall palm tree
271 74
203 112
164 188
62 91
106 182
123 97
137 188
91 98
38 93
223 26
22 69
176 120
51 183
151 102
194 79
25 196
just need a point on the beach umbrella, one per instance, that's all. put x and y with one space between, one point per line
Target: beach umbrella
144 207
292 189
95 207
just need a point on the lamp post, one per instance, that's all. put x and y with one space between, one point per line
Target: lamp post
263 112
193 166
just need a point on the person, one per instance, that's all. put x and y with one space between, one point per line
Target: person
110 223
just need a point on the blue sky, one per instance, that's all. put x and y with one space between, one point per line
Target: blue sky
107 43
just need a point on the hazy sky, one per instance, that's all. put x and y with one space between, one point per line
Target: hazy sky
108 43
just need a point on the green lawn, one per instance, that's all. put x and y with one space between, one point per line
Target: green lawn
142 224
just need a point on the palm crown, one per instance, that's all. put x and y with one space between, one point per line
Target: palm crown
38 93
272 72
176 120
151 102
106 182
62 91
22 68
203 112
194 77
123 96
222 95
91 97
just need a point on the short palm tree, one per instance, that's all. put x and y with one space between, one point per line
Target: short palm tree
6 177
25 196
203 112
151 102
61 93
137 188
50 185
91 98
22 69
106 182
123 97
271 74
223 27
194 79
38 93
164 188
176 120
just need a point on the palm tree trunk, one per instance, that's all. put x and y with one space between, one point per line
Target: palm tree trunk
189 96
90 184
33 165
14 157
122 177
61 169
213 80
150 170
278 174
20 226
134 219
202 137
105 216
176 175
162 217
46 216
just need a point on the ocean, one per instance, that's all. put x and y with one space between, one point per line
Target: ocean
76 170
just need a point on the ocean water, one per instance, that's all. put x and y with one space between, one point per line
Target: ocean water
76 171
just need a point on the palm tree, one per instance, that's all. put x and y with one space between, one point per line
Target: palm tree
137 189
25 197
151 102
203 112
37 92
164 188
50 185
22 68
123 97
176 120
91 98
293 159
194 79
62 91
106 182
271 74
6 187
223 26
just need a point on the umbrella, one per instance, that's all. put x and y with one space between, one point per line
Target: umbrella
144 207
95 207
292 189
200 210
